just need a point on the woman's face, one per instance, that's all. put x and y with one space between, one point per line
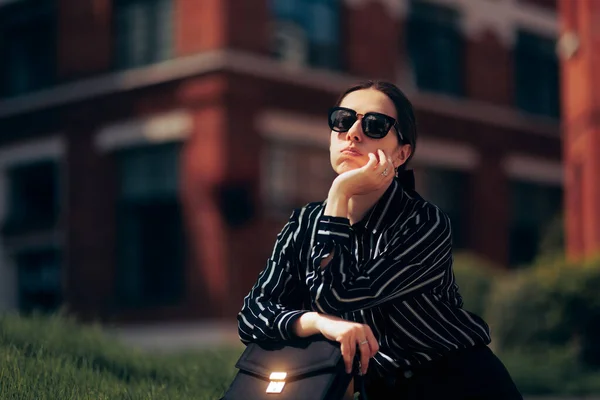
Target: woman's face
350 150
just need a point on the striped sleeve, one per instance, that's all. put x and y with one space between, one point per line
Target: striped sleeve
415 260
273 304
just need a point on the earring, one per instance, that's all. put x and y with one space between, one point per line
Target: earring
396 172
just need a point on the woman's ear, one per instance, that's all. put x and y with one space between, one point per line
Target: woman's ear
401 154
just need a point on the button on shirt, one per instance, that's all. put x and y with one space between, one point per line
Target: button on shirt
392 271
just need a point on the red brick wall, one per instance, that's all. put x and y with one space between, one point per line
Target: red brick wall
225 148
200 26
370 35
248 25
91 184
581 129
84 46
489 70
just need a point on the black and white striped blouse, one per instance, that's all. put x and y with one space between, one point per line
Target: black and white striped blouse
392 271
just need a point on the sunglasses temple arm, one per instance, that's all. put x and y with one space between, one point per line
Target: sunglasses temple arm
398 130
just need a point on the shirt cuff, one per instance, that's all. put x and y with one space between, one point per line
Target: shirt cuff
334 229
284 322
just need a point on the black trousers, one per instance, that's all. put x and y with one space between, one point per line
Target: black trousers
470 374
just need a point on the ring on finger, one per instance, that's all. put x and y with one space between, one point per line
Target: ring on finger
364 342
385 172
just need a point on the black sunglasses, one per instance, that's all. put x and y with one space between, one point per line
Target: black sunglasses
374 125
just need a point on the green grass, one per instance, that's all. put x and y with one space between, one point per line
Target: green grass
55 358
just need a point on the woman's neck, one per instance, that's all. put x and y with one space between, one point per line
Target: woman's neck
359 205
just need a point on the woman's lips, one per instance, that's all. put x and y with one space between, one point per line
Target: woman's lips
351 152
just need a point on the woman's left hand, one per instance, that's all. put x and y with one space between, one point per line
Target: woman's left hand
376 174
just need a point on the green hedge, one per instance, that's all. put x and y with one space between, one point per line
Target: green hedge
475 278
549 304
545 319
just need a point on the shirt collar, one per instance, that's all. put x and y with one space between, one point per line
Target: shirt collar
390 204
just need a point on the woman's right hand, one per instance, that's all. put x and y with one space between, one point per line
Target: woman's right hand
350 335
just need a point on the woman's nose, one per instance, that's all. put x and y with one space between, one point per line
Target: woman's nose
355 133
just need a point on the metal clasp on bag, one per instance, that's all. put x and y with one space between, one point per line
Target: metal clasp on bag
277 382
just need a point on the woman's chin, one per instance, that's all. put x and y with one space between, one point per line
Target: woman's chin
345 167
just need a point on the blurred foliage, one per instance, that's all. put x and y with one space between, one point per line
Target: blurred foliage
475 277
552 242
552 371
545 319
549 304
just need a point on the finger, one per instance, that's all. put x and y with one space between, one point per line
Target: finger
373 345
365 354
385 165
372 163
383 160
347 354
351 355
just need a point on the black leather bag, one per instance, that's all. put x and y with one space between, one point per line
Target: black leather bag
306 369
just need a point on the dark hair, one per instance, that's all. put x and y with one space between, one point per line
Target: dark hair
404 110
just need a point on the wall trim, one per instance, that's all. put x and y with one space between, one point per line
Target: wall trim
32 150
503 17
281 126
534 169
268 68
166 127
446 154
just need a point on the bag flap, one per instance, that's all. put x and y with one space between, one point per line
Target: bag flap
295 358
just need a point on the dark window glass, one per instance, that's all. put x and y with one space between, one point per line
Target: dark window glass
32 197
449 190
39 280
536 75
435 47
534 208
307 32
143 32
150 239
27 46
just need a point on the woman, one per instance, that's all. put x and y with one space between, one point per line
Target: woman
371 268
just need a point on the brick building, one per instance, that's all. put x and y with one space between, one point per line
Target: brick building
150 150
579 47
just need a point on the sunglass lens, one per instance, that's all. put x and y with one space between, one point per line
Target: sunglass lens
341 120
375 126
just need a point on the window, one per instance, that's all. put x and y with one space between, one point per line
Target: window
143 32
534 207
536 75
33 203
150 239
435 47
449 190
39 280
33 197
307 32
279 177
27 46
294 175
